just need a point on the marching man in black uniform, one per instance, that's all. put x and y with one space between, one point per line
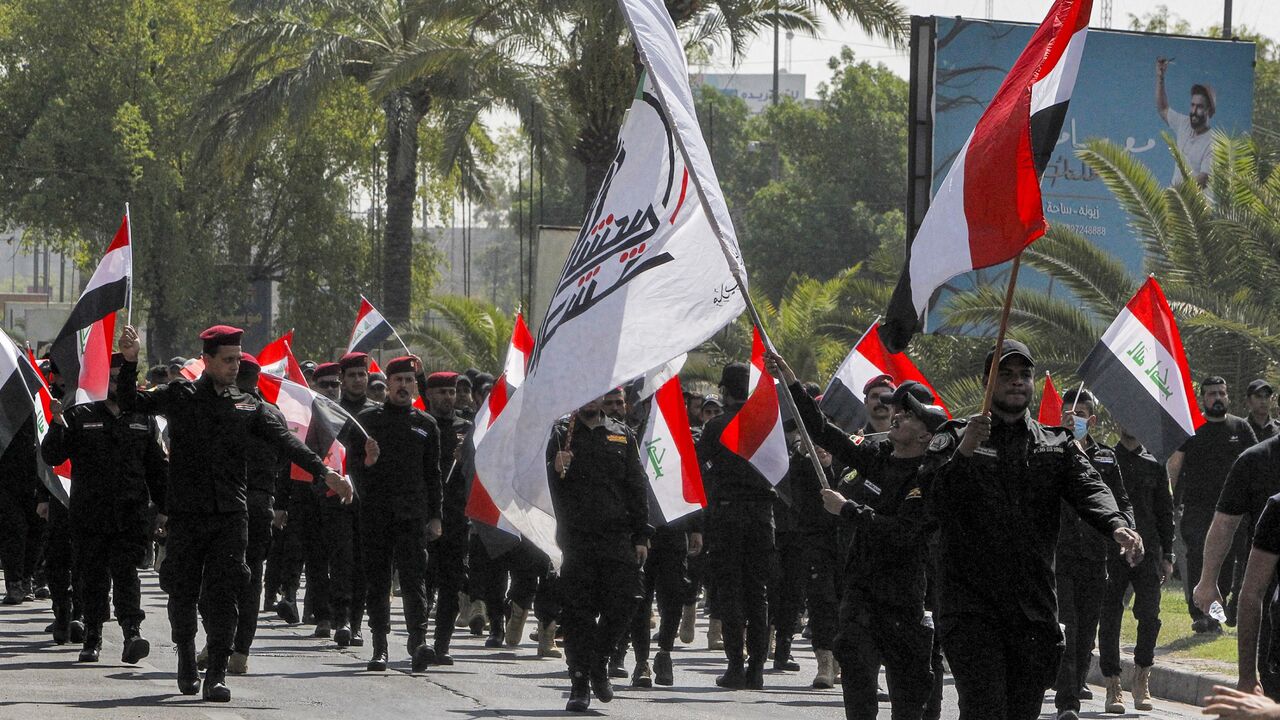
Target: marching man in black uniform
995 484
117 467
882 617
600 495
397 471
210 422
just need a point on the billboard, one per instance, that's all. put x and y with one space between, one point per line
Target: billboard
755 89
1115 98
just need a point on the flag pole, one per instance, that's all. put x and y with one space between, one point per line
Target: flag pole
731 257
994 369
128 229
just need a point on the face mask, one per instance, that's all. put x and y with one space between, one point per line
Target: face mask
1080 427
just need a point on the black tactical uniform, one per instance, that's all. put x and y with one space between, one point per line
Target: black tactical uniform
821 552
206 501
739 523
447 555
268 479
1146 483
1081 576
399 495
882 619
999 513
786 586
117 468
602 514
21 529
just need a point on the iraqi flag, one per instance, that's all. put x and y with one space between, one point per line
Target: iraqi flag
19 381
988 208
277 359
313 418
1050 404
756 433
56 480
842 401
82 350
371 329
1139 371
480 506
669 456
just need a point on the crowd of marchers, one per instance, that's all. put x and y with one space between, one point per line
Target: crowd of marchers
1005 546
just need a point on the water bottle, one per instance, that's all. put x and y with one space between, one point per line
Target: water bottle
1217 613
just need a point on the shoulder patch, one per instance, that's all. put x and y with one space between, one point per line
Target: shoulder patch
940 442
617 438
914 493
857 439
245 406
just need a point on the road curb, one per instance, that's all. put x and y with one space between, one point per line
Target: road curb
1168 682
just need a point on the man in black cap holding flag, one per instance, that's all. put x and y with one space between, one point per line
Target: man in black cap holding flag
995 484
210 422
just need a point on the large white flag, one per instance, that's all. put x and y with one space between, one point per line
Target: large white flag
646 280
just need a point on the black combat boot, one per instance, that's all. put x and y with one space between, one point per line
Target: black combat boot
136 647
188 675
287 610
423 655
600 685
92 645
215 679
579 692
734 678
662 671
61 622
754 677
378 661
342 636
442 652
75 629
782 659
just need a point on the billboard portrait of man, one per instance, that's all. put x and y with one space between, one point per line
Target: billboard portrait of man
1191 131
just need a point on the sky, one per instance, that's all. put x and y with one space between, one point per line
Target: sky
810 55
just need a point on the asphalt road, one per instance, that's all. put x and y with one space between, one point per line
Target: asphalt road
292 675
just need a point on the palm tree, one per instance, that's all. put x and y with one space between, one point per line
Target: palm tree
472 334
413 57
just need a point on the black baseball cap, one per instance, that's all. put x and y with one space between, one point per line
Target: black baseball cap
1009 349
1258 386
916 399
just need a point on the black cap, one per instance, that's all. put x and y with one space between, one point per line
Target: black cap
1258 386
914 389
917 400
177 362
712 399
1009 349
377 378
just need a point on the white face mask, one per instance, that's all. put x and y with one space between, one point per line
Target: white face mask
1080 427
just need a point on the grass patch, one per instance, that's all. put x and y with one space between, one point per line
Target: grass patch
1176 637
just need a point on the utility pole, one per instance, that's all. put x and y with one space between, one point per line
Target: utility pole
1226 18
775 54
1106 13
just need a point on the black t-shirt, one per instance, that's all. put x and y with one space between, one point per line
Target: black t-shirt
1263 432
1209 455
1266 534
1253 479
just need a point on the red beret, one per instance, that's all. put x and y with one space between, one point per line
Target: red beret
881 380
354 359
442 380
248 360
325 369
220 335
402 364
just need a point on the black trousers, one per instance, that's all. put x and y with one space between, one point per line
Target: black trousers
60 564
446 577
256 552
1194 529
1001 668
398 544
599 599
1145 581
340 538
786 588
204 568
21 535
901 642
663 579
1081 586
511 577
822 582
315 557
107 568
741 562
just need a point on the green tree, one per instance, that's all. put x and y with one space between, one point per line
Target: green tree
469 333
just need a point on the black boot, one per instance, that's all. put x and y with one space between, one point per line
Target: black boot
662 671
136 647
754 678
342 636
215 679
733 678
378 662
782 655
600 685
617 665
442 652
61 622
357 640
287 610
579 692
75 630
92 645
423 655
497 628
188 675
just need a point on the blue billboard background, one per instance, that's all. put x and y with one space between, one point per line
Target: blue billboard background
1114 98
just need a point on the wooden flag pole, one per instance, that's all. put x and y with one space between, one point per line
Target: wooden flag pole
128 228
994 368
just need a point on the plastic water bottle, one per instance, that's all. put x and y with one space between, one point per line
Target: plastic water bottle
1216 612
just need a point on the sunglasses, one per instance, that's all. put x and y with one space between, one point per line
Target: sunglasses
329 384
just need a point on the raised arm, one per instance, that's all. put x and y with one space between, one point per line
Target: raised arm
1162 99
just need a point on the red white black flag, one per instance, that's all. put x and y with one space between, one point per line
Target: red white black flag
82 350
755 433
1139 371
277 359
371 329
842 401
989 207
